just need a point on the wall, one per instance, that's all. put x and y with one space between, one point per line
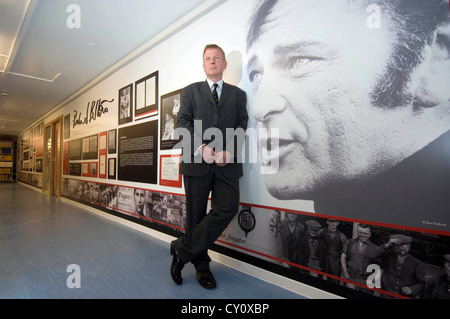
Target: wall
362 123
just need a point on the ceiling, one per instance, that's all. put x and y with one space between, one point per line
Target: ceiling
50 49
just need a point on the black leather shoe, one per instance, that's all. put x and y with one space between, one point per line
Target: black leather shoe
176 267
206 279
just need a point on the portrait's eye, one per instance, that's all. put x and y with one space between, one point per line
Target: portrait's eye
298 62
301 61
297 66
255 77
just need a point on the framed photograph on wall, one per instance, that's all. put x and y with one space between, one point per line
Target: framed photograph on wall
125 104
112 168
170 105
112 148
146 94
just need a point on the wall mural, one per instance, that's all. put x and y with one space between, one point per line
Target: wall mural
347 157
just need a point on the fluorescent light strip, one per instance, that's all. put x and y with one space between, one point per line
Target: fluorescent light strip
36 78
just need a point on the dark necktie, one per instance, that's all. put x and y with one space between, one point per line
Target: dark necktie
215 95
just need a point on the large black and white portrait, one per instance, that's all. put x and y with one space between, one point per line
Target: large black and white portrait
362 106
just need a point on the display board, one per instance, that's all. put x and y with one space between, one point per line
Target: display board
138 154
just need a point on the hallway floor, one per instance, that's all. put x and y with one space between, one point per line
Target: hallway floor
40 236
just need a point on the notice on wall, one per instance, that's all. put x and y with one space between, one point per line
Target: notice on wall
138 153
75 169
169 170
90 147
75 149
102 149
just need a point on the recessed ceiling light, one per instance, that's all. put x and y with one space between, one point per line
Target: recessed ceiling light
4 92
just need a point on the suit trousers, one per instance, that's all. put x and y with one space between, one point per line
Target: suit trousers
202 228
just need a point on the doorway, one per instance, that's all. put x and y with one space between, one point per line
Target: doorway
53 158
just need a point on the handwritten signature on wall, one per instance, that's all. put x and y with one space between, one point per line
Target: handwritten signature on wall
94 110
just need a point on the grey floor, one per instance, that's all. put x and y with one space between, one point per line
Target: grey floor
40 236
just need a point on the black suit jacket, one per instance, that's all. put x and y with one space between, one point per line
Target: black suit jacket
198 113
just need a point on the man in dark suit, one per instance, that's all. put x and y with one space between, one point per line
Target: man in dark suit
214 113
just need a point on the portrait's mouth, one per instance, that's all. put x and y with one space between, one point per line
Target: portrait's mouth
271 149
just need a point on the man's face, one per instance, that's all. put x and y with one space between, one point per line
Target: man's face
313 231
402 250
214 63
291 217
312 70
332 225
124 99
139 200
363 234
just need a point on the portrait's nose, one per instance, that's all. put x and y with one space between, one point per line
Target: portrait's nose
268 100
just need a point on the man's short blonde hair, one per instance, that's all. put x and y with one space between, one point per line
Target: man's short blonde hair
215 46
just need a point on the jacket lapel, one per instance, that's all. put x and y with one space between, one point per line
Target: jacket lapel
225 93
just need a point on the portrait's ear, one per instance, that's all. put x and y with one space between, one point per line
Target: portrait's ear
429 83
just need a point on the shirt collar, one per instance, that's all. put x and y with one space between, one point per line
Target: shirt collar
210 83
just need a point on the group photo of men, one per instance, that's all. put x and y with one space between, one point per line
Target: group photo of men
361 257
